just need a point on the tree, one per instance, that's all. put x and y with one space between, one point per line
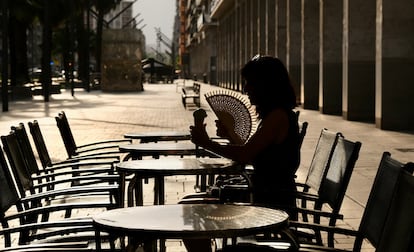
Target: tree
102 7
52 14
4 55
21 16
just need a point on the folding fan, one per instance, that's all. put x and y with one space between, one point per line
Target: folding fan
234 111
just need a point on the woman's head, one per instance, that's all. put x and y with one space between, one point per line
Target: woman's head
267 84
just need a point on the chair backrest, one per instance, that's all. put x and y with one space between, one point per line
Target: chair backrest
321 158
379 201
398 234
40 144
303 128
26 148
17 163
8 197
335 183
66 134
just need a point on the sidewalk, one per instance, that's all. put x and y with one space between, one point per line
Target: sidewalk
96 115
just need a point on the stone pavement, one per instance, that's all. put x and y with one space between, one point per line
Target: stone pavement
96 115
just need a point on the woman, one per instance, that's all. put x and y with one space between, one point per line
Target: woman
273 149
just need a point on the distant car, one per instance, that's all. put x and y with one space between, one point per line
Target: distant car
36 72
75 73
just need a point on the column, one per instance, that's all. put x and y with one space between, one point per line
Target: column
358 99
394 65
262 27
233 47
330 57
249 36
255 27
281 30
227 51
310 55
271 27
294 44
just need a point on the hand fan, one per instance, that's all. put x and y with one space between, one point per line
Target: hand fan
234 111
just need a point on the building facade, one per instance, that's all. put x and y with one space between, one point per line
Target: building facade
198 40
353 58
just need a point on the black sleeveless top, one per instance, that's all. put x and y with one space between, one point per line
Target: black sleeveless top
274 169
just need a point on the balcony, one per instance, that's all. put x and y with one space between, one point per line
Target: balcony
220 7
204 21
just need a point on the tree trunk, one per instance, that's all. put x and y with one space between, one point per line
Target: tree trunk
22 76
4 57
99 29
82 49
67 59
12 52
46 77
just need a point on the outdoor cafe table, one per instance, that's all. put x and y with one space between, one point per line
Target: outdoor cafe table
155 136
183 148
159 168
146 224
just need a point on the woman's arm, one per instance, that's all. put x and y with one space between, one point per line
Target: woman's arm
273 129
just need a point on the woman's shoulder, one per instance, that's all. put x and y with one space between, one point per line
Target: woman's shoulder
281 113
276 120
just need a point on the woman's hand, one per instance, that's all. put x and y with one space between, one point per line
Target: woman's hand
221 130
228 132
199 135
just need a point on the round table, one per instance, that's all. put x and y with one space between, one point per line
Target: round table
137 151
146 224
159 168
155 136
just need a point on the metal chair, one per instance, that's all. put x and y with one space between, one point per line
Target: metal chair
72 167
84 195
387 222
324 189
20 222
43 152
104 147
333 186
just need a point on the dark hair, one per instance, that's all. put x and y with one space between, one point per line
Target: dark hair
271 82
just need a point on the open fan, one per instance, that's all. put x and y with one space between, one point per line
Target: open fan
234 111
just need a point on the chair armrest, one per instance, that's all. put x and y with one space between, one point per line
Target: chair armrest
65 227
320 213
104 166
88 149
109 158
76 190
302 185
323 228
106 142
103 154
40 210
79 173
96 178
306 196
49 247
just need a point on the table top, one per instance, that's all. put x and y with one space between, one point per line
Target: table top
159 136
158 147
180 166
191 220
